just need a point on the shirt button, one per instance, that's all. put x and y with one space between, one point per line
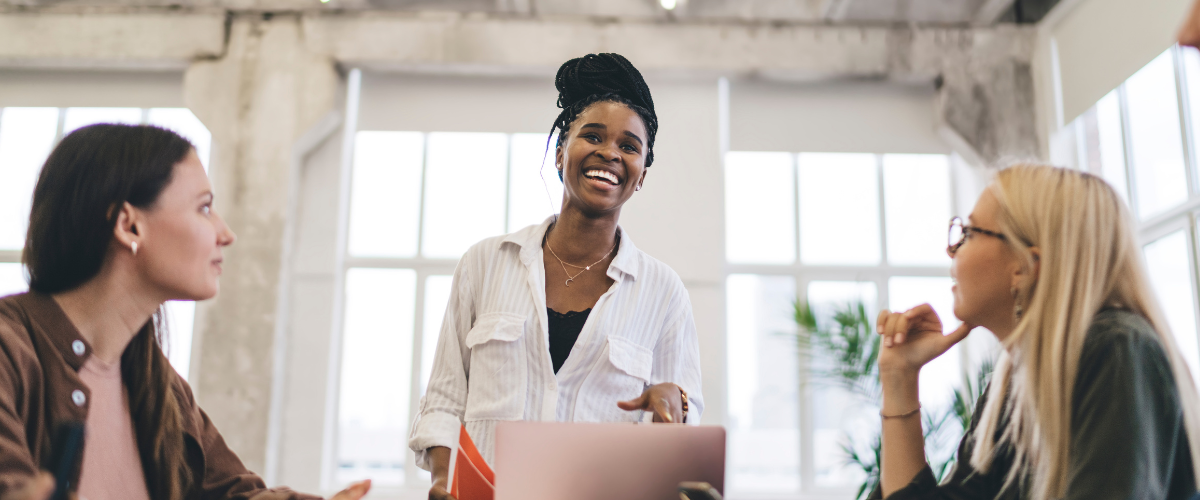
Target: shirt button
78 347
78 397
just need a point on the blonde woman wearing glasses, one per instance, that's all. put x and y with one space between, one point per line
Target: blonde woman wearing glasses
1090 398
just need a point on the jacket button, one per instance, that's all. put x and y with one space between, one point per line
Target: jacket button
78 347
78 397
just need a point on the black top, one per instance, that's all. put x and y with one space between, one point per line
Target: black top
1127 434
564 330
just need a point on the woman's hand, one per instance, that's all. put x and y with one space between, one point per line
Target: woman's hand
354 491
439 458
40 488
913 338
664 400
439 491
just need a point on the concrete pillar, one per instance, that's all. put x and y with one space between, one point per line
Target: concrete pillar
986 98
257 98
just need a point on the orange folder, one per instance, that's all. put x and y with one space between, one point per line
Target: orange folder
473 478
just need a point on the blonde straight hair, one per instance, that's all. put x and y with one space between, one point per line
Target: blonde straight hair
1090 259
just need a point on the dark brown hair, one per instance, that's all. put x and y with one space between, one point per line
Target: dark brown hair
587 80
85 181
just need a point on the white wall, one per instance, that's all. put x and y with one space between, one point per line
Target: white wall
1101 43
68 88
853 117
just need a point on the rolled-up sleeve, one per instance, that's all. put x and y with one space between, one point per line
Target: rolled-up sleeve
677 354
440 416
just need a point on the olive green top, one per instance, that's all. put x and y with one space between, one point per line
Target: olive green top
1127 434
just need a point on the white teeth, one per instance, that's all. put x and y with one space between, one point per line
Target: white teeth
603 175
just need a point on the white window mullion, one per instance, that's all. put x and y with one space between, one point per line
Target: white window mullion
414 393
1130 178
1185 121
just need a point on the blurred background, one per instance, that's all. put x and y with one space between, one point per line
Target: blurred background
810 151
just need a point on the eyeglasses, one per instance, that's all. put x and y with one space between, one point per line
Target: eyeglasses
960 233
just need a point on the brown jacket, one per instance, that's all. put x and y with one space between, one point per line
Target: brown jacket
40 356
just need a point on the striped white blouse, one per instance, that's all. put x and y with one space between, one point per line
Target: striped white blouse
493 357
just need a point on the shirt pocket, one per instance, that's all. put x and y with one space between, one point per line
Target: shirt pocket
622 374
496 386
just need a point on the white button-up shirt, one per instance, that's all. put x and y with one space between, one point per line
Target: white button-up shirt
493 357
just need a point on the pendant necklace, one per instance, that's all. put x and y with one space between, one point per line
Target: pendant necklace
564 264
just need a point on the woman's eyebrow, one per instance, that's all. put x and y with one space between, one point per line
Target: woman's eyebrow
635 136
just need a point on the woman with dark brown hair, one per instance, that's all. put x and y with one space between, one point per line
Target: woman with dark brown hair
121 222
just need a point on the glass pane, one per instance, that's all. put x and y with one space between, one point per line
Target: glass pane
82 117
840 417
1156 141
764 423
181 316
1112 143
839 209
1170 275
183 122
12 279
916 192
437 295
26 136
534 189
376 346
464 191
760 208
385 194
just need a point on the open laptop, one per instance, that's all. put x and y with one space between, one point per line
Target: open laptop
566 461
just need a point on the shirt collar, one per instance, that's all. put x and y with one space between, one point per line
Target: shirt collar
529 240
46 315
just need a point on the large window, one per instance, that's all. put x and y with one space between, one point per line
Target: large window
418 201
1143 138
829 228
26 137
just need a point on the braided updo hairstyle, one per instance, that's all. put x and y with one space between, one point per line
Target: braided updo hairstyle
594 78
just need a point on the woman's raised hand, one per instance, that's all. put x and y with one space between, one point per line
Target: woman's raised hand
913 338
354 491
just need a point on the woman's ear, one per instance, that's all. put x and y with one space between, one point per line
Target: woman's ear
125 231
642 179
558 161
1026 275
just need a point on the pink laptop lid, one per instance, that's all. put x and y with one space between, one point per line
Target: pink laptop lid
560 461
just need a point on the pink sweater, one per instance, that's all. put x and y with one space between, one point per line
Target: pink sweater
112 468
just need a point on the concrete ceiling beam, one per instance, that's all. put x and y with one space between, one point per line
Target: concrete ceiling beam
991 11
985 73
110 40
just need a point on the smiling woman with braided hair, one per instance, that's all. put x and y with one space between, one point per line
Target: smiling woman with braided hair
567 321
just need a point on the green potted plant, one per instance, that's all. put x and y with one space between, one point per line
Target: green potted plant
848 348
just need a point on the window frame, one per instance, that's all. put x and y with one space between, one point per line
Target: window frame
424 267
804 274
1183 216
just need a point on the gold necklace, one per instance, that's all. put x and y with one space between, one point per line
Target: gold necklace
564 264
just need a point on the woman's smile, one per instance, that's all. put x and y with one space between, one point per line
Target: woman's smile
602 179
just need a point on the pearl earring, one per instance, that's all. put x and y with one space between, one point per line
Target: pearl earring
133 246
